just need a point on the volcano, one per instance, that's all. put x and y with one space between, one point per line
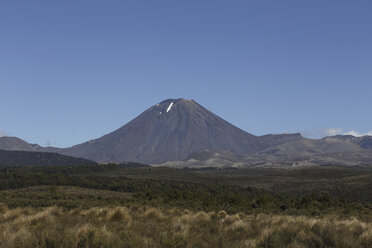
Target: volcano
182 133
168 131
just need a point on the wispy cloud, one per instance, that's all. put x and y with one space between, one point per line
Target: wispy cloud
357 134
3 133
332 131
321 132
324 132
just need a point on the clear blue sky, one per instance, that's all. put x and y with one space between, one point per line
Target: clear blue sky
74 70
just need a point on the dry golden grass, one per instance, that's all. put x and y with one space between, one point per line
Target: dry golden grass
151 227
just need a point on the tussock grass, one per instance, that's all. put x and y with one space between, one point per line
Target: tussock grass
152 227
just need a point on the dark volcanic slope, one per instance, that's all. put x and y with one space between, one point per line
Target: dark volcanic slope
168 131
14 158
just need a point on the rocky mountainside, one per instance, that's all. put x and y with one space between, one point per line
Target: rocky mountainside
297 152
364 141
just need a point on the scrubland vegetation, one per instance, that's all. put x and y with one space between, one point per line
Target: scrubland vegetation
111 206
151 227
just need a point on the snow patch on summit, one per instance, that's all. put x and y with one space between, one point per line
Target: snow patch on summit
170 106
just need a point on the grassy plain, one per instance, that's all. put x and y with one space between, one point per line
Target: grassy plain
151 227
115 206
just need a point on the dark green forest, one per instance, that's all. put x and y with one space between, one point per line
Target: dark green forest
311 191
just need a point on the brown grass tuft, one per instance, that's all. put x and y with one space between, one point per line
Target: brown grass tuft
222 214
120 215
153 213
151 227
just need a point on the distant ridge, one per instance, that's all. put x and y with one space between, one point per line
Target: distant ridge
18 158
17 144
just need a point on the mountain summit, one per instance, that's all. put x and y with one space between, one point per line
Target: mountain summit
168 131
